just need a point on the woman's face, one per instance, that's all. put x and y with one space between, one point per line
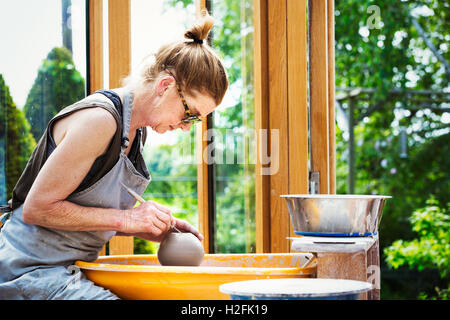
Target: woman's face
169 110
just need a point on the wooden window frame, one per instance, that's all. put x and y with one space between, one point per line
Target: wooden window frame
282 89
119 38
205 171
281 103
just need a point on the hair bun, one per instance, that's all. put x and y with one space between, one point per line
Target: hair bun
200 30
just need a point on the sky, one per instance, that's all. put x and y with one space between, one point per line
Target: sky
34 28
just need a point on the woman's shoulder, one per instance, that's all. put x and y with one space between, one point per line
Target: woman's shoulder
96 123
92 104
98 117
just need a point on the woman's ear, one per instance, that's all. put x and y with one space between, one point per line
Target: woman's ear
163 84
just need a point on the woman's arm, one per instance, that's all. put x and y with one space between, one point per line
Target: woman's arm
81 138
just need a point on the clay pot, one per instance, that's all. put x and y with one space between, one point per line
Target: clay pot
180 249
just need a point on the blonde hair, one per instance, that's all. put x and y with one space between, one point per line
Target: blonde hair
194 63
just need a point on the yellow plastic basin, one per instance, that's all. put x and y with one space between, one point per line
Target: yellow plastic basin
142 277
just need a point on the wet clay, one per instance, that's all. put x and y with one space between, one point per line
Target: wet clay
180 249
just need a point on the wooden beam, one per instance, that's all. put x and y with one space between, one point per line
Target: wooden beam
278 113
261 78
95 45
331 97
297 98
280 104
202 185
119 29
96 53
199 6
281 92
318 77
203 190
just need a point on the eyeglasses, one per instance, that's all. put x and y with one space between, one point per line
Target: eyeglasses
188 116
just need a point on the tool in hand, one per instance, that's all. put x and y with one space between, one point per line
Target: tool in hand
141 200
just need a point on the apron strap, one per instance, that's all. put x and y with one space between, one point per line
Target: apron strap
126 118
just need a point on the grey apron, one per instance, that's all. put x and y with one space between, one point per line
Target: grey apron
37 262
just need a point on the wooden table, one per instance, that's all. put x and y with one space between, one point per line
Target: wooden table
353 258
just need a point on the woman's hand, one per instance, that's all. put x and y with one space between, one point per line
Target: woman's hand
180 224
184 226
152 212
150 221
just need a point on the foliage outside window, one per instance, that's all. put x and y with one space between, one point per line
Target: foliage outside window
170 158
16 142
401 130
431 249
57 84
234 125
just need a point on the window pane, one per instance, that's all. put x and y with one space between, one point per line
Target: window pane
42 70
170 156
234 129
393 132
3 123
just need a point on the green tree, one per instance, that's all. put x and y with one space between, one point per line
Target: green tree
233 40
384 59
16 139
431 249
393 62
57 85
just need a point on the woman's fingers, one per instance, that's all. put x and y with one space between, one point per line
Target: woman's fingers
160 224
161 207
164 214
164 219
183 225
154 218
148 217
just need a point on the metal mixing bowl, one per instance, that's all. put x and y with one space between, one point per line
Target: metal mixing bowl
335 215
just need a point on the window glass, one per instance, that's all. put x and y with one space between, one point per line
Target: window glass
234 130
169 156
393 133
42 70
